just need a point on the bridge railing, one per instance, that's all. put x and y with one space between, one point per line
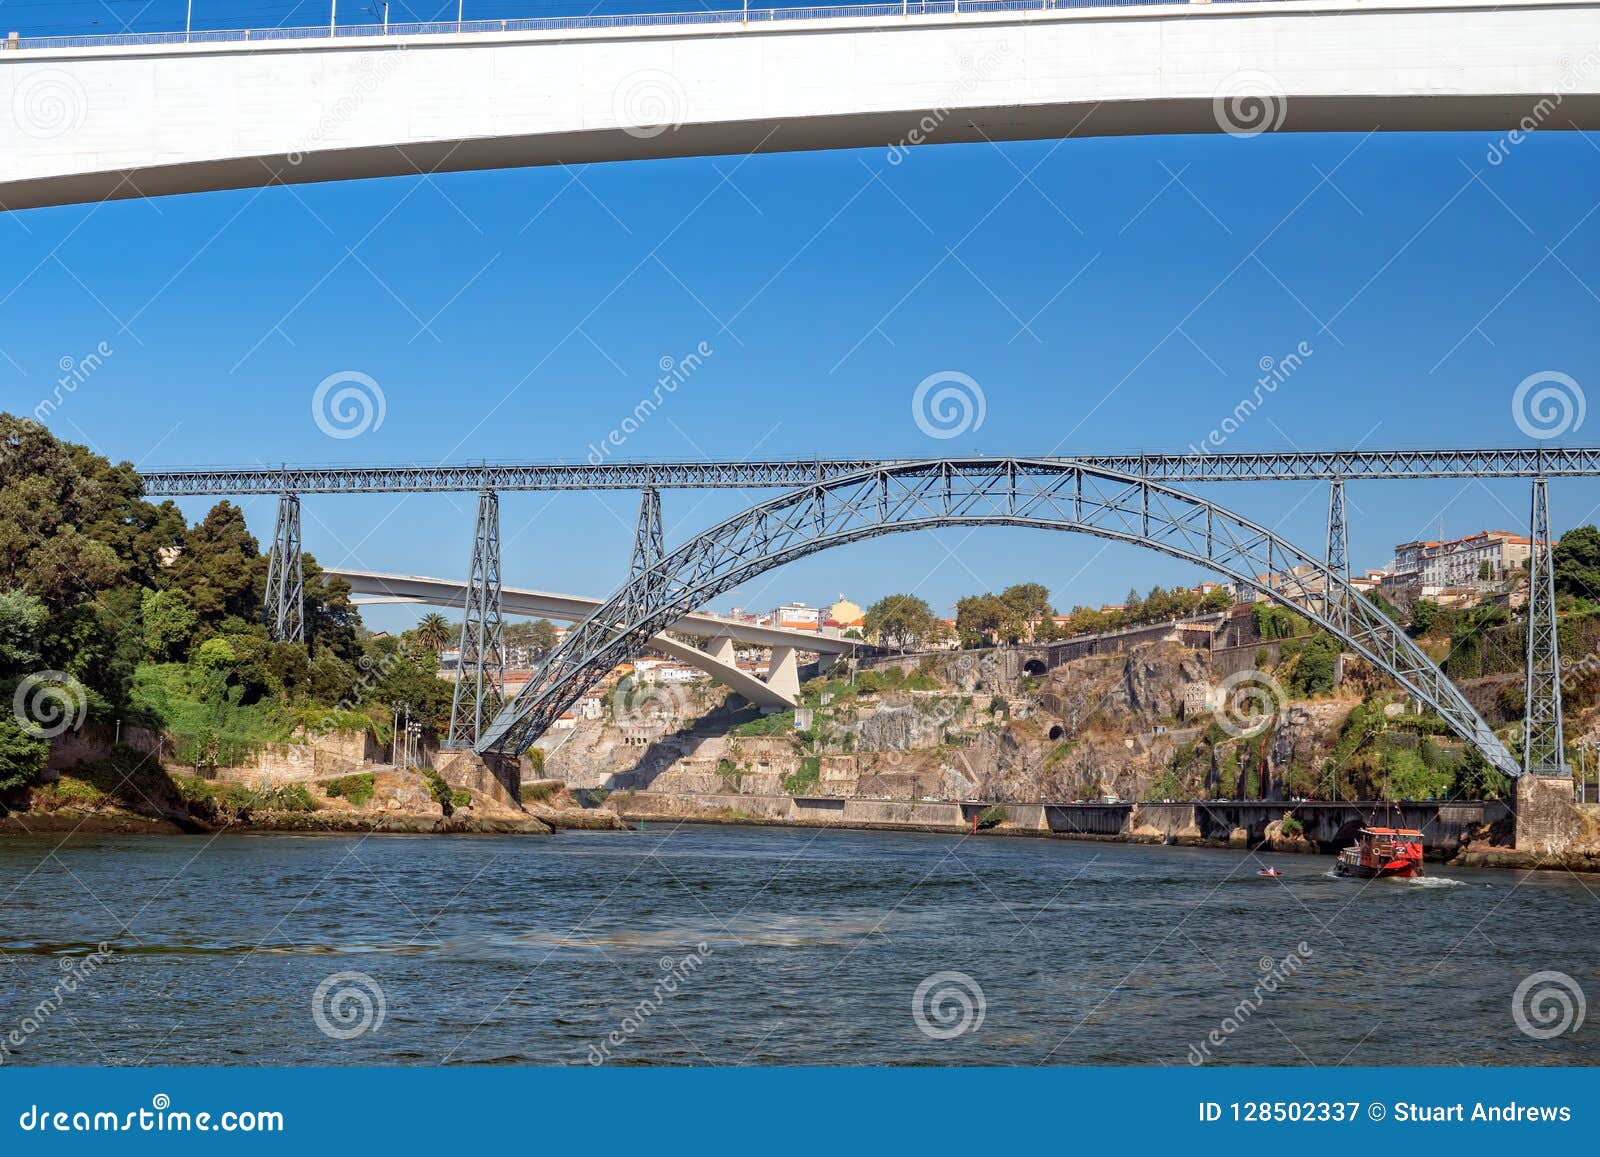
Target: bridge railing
886 12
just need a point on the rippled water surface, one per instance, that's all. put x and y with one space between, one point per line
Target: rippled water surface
562 950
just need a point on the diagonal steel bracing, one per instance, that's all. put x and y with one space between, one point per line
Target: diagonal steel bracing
284 605
1338 534
1518 462
1049 494
1542 744
481 669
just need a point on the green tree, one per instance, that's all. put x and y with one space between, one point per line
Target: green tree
22 757
1424 614
22 625
169 623
1316 667
433 631
1576 559
333 622
903 621
542 633
215 654
979 619
221 569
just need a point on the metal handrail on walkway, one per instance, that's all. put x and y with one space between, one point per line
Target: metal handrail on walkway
743 16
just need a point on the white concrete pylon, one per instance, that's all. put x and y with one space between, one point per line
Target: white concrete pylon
783 673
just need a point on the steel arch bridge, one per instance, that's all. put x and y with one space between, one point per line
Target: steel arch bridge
1050 495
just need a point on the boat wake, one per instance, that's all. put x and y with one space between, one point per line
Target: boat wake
1408 881
1430 882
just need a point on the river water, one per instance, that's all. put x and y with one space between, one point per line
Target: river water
734 945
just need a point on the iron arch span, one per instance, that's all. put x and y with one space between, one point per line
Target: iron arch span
1050 495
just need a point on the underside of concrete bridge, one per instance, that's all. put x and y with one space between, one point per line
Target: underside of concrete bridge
102 118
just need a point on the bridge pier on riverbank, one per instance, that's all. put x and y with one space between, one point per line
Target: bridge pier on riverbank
1548 821
495 775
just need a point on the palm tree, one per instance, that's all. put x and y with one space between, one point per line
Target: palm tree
433 631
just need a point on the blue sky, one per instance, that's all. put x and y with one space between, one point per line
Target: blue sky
1106 295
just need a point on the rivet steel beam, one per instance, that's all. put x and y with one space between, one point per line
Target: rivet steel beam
1519 462
481 667
1542 744
284 606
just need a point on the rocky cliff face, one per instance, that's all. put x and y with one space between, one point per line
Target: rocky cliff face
1135 726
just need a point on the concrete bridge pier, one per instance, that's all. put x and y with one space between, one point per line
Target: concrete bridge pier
1547 814
783 673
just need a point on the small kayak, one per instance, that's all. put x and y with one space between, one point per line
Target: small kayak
1269 873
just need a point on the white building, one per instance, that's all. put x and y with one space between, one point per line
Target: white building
1488 556
797 617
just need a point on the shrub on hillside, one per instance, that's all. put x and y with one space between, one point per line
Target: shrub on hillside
357 789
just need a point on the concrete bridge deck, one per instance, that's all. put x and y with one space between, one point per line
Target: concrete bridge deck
779 691
96 121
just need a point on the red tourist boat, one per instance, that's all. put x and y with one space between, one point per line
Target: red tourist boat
1382 852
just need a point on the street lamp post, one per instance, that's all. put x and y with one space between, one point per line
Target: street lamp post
188 20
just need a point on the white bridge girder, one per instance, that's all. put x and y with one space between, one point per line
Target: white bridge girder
716 660
94 123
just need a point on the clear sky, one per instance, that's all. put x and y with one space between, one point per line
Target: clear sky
1105 295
